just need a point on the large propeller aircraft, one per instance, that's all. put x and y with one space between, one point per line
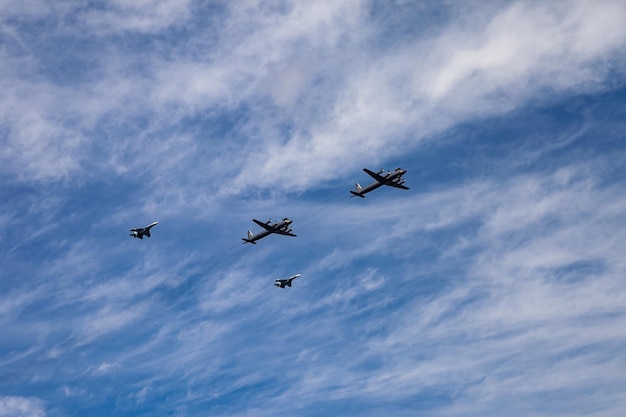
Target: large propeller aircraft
282 283
143 231
392 179
282 228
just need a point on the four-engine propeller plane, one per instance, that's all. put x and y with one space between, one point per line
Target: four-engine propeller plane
393 179
282 228
282 283
143 231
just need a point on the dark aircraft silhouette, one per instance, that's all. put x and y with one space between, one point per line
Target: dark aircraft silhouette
393 179
282 283
281 228
143 231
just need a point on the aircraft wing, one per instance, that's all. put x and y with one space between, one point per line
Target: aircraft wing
393 184
282 232
375 176
266 226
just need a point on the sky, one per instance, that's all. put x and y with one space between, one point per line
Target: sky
495 286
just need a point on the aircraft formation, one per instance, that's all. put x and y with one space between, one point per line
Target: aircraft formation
283 227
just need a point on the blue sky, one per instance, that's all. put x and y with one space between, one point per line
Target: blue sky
495 286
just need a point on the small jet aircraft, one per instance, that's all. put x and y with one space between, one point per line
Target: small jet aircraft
281 228
393 179
282 283
143 231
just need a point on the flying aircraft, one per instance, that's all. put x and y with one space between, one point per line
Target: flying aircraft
282 283
281 228
143 231
393 179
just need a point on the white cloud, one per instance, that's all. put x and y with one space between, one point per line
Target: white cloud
21 407
144 16
109 319
140 396
103 369
306 92
390 102
516 324
316 95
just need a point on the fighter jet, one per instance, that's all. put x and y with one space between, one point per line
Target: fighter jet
281 228
143 231
282 283
393 179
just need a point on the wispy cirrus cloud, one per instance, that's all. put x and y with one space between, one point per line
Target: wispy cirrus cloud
541 278
306 100
496 280
143 16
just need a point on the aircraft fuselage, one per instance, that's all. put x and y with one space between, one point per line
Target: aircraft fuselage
139 233
282 283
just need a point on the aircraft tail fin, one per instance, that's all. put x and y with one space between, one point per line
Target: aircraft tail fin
357 193
249 239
